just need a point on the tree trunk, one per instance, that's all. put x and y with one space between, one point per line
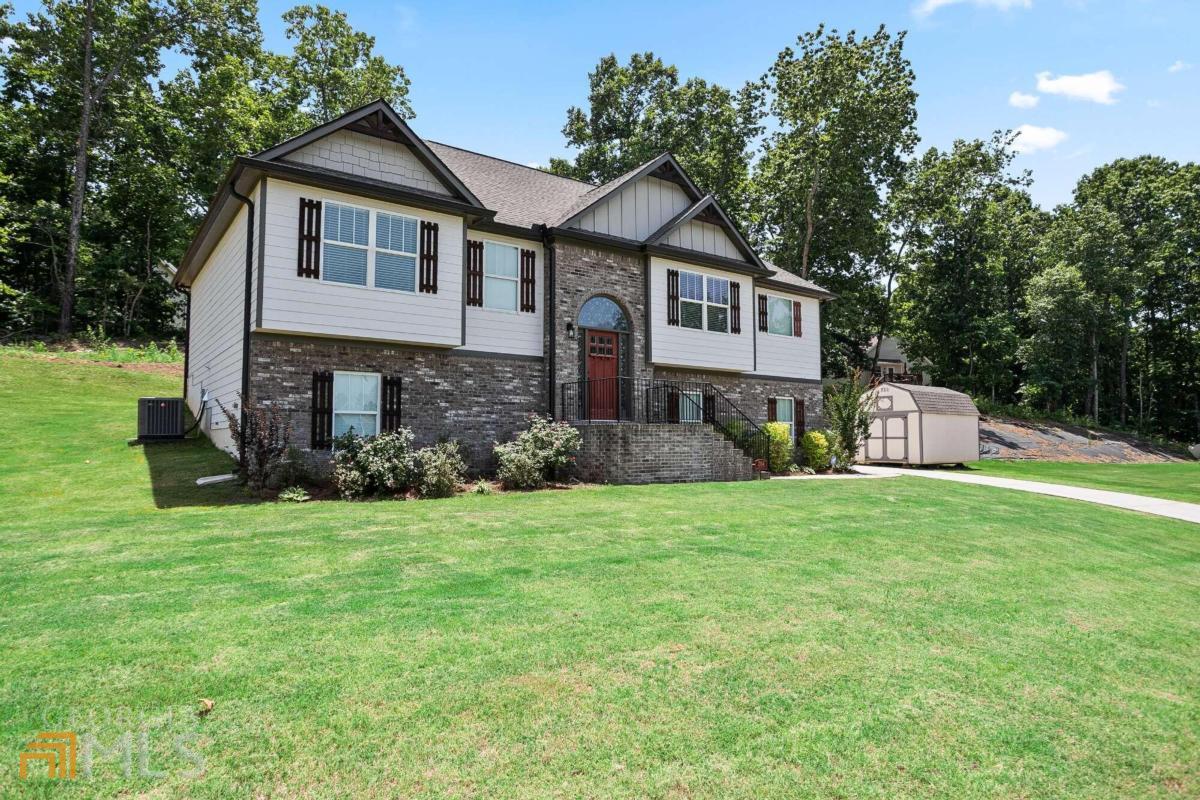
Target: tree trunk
1124 369
79 187
1095 378
809 200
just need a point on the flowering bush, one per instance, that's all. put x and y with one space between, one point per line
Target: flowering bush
375 465
539 453
440 470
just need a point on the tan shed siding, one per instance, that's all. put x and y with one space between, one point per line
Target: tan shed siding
637 210
368 157
215 339
704 237
675 346
788 356
292 304
513 332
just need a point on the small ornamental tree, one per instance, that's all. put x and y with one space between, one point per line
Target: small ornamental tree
849 421
264 436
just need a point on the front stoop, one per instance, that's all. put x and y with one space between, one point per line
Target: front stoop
626 452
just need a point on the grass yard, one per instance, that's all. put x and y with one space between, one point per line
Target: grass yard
871 638
1171 481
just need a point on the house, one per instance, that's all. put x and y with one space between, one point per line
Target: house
893 366
359 276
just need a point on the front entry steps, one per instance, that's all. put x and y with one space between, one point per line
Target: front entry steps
632 452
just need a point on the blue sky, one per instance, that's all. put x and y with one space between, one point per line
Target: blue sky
498 77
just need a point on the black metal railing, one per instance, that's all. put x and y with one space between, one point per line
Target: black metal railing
659 401
898 377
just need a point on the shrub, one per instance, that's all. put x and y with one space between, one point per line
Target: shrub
779 446
849 421
481 487
293 494
815 447
541 452
375 465
264 435
440 469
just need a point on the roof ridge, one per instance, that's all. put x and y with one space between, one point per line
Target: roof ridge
510 161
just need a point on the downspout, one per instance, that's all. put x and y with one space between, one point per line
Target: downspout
187 339
551 306
245 393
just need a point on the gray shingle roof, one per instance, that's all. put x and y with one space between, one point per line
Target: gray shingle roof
939 400
783 276
520 195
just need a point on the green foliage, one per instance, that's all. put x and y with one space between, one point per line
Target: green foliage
294 494
441 470
481 487
373 466
779 446
849 421
1058 306
815 447
540 453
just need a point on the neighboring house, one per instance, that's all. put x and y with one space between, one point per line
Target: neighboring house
361 277
894 366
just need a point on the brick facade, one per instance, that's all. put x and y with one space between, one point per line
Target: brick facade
660 453
475 399
750 393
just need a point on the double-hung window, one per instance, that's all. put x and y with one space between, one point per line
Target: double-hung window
703 302
346 233
356 403
779 316
395 252
691 406
354 251
501 275
785 412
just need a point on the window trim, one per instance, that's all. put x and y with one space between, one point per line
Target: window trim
333 412
371 247
696 395
515 279
791 401
791 334
704 303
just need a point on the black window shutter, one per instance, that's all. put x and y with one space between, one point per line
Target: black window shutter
762 313
798 416
429 257
771 413
474 273
735 307
673 299
797 327
389 411
528 279
308 244
322 410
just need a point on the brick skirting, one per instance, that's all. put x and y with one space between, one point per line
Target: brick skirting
658 453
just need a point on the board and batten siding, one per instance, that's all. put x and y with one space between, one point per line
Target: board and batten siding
368 157
704 237
292 304
676 346
215 337
637 210
512 332
789 356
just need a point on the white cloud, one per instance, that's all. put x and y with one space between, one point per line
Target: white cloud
926 7
1022 100
1098 87
1179 66
1031 138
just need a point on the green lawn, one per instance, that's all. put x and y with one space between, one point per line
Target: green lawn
873 638
1172 481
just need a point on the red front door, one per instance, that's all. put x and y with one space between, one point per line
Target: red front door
604 390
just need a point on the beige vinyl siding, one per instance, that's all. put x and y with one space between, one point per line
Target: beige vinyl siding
676 346
789 356
704 237
292 304
637 210
368 157
215 338
513 332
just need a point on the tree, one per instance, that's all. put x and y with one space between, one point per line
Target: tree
845 114
639 111
1055 353
335 68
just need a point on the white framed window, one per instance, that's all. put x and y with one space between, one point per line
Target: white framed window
501 276
345 243
785 412
691 406
703 302
356 403
779 316
395 252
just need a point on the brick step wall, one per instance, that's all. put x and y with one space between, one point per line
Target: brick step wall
658 453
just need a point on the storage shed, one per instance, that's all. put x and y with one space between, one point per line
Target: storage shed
920 425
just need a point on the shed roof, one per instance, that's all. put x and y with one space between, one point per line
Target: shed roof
938 399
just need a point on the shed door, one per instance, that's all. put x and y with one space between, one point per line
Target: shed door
887 439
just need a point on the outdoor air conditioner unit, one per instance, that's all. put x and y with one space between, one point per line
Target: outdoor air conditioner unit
160 418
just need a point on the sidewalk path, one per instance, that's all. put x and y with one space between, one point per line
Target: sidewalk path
1175 509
